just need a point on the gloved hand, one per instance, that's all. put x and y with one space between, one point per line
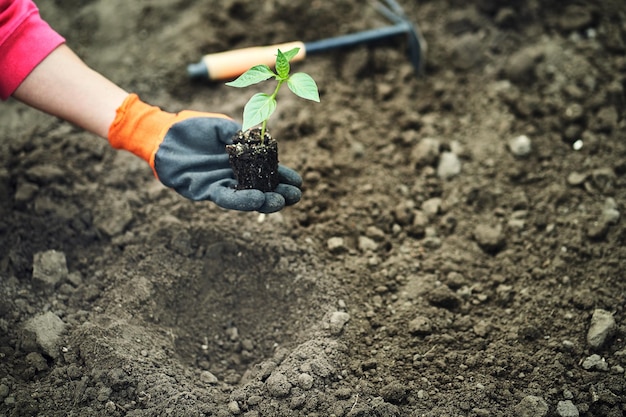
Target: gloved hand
187 153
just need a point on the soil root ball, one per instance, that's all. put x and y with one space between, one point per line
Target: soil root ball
254 160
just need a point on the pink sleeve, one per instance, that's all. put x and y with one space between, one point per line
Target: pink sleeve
25 40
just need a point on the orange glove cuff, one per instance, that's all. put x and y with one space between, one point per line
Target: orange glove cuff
140 128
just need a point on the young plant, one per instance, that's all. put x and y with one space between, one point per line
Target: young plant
261 106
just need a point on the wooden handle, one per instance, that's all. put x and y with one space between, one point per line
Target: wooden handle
231 64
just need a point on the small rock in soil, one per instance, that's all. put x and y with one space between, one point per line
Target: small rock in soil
336 245
521 66
384 90
208 378
418 226
320 367
577 178
37 361
265 369
233 407
425 152
305 381
468 51
567 409
358 150
297 402
375 233
45 174
568 345
278 385
182 243
597 230
431 242
482 328
520 146
420 325
75 278
113 218
46 329
516 224
610 215
24 192
337 321
431 207
489 238
367 244
49 268
443 296
481 412
602 328
603 178
254 399
104 393
449 165
394 392
573 113
455 280
531 406
110 407
4 391
343 393
595 363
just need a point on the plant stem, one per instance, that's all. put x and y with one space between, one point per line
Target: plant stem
263 126
273 97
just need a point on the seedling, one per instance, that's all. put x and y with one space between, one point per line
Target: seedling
261 106
253 155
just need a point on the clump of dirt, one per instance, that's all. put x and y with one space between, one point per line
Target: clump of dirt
253 156
458 250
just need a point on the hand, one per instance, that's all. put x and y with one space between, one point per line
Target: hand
187 153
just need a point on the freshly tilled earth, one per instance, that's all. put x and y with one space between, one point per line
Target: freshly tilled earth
459 249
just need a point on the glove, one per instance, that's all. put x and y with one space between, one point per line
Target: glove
187 152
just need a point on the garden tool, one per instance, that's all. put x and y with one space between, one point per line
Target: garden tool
230 64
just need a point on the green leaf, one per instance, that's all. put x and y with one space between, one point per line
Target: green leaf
282 65
290 54
254 75
303 86
259 108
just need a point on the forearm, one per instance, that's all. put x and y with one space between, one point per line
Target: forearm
64 86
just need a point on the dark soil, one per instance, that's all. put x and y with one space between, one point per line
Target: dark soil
456 234
254 159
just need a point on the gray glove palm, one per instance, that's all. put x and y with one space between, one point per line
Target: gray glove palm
193 161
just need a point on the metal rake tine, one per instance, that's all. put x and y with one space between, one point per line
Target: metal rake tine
397 9
387 12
